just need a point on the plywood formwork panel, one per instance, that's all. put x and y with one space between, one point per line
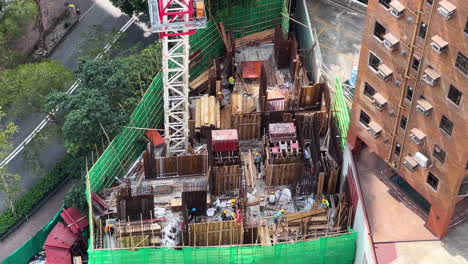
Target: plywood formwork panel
225 178
282 174
216 233
247 124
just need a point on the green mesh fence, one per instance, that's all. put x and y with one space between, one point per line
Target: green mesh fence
327 250
34 245
341 112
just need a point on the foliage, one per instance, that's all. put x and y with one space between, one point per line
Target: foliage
9 182
28 85
69 166
75 197
131 7
15 16
108 93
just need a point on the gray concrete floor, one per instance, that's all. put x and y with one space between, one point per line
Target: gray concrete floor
339 31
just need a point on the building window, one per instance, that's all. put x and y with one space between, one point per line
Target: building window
439 153
409 93
464 188
415 64
446 125
364 118
385 3
429 2
454 95
466 27
379 31
374 62
397 149
422 30
403 122
432 180
369 91
462 63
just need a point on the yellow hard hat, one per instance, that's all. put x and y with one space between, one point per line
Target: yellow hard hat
220 93
225 211
282 210
233 200
233 214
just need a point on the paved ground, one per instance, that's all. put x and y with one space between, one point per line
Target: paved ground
389 219
94 12
33 224
339 31
399 235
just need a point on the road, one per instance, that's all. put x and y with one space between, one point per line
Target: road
94 12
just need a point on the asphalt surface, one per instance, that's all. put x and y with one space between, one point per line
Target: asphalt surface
94 12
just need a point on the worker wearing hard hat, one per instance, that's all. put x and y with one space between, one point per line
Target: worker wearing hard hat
225 215
110 229
220 96
233 205
279 215
231 83
258 162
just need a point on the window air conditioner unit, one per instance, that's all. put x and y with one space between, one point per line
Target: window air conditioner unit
445 13
396 13
438 48
417 136
374 129
416 139
379 101
410 163
384 72
429 80
390 41
422 110
421 159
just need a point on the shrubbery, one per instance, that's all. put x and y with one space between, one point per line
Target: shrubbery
70 165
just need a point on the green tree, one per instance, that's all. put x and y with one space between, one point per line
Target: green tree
27 86
107 95
9 182
13 18
131 7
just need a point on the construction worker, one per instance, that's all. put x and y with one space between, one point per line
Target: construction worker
110 229
233 204
231 83
325 203
278 216
225 215
307 156
258 162
192 214
272 198
220 96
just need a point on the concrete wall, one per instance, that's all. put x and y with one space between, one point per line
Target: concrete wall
307 39
364 244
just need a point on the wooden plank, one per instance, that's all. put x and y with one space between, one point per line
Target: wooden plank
212 111
198 106
206 114
227 44
259 36
218 114
320 187
296 216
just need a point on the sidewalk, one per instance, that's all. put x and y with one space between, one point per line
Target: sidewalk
33 224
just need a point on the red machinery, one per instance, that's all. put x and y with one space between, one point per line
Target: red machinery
225 140
65 241
282 132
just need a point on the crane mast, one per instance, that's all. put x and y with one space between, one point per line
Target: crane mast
176 20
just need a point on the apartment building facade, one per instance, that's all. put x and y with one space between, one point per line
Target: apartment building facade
410 102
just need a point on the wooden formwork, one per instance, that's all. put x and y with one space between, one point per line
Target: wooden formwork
310 95
193 165
282 174
225 178
313 121
216 233
248 125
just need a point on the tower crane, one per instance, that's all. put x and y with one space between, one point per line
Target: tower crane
175 21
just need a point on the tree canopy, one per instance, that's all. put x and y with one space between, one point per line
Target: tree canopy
28 85
14 15
131 7
109 91
9 182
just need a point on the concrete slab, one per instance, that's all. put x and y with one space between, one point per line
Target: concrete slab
389 220
339 31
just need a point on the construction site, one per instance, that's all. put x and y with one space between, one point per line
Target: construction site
237 162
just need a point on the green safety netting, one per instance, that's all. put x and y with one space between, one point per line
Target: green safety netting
327 250
341 111
34 245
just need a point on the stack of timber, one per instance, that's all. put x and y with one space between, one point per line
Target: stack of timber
207 112
250 171
263 36
201 79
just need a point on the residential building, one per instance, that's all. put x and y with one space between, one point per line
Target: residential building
409 105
